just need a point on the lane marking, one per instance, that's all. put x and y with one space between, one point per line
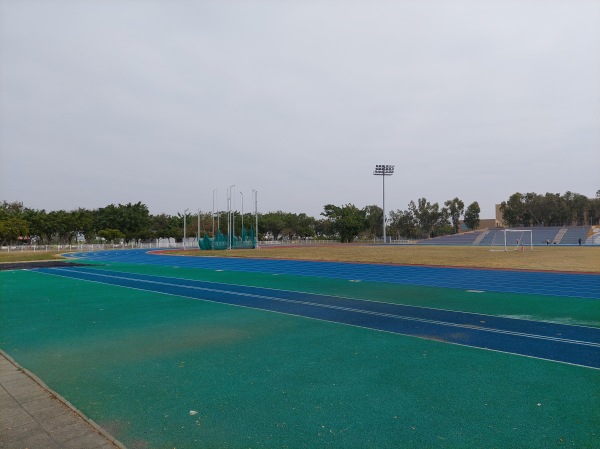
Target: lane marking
334 307
479 314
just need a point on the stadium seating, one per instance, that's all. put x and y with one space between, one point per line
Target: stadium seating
567 235
466 238
574 233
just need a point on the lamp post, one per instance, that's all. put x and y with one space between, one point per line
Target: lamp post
198 235
242 195
230 215
255 192
213 214
184 233
383 171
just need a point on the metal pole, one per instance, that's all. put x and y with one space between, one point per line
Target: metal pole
198 236
256 216
231 230
384 235
228 215
232 214
383 171
242 195
213 214
184 230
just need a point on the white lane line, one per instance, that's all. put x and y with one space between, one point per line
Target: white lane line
345 309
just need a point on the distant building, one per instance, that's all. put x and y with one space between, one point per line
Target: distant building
499 218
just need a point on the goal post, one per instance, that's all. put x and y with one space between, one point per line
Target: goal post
512 240
515 239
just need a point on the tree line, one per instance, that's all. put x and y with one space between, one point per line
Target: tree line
133 222
347 223
551 209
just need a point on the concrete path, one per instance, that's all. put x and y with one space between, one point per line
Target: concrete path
34 417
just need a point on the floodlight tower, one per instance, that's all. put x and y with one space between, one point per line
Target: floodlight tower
383 171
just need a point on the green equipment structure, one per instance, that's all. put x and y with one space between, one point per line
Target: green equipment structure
220 241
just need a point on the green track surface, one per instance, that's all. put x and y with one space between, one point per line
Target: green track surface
137 363
576 311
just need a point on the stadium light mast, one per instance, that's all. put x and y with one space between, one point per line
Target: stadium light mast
383 171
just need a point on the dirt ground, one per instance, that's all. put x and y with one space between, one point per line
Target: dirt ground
570 259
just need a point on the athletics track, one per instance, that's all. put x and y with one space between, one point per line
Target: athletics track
169 351
578 345
505 281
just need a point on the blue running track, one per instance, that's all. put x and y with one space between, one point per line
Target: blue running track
578 345
507 281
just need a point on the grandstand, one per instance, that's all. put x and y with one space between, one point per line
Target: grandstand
552 235
464 238
573 234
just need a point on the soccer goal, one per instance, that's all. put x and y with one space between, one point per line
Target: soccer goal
513 240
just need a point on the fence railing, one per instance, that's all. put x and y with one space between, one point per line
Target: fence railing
86 247
165 244
189 244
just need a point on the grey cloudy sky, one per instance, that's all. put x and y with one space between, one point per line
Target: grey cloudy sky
106 101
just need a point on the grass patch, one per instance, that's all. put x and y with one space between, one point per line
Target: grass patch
29 256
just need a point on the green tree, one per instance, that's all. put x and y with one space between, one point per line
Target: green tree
84 222
11 228
160 226
374 221
62 226
111 235
431 220
472 216
404 224
456 208
133 220
578 206
552 209
273 223
556 211
513 210
346 221
304 226
594 210
14 209
323 228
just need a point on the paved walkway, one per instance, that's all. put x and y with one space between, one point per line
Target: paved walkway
34 417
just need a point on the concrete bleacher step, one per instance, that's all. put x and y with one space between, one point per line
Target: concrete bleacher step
480 237
560 235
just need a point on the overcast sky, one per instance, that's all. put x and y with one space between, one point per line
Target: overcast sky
164 101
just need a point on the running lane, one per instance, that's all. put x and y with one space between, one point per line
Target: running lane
529 282
576 345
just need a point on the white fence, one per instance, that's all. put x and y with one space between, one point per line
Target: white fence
99 246
170 244
161 244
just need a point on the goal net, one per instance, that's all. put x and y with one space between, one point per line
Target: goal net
513 240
